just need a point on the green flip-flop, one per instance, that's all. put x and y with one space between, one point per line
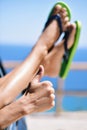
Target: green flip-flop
65 67
57 16
64 5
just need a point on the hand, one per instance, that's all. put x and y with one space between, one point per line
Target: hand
40 96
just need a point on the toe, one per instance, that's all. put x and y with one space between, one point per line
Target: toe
66 19
72 30
63 10
57 9
73 26
66 25
64 14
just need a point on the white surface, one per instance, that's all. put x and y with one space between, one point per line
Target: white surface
65 121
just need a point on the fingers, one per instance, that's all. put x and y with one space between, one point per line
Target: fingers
39 105
43 89
45 103
36 81
44 97
39 75
40 100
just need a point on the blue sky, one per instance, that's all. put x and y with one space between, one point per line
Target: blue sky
21 21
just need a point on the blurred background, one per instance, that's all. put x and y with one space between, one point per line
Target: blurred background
21 23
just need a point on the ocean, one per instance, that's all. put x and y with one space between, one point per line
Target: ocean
76 80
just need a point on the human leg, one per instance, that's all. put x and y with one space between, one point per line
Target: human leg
19 78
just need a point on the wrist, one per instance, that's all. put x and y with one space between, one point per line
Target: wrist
27 105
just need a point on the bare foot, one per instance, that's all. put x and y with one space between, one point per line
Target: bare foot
52 62
52 32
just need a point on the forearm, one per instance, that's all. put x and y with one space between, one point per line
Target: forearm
11 113
40 99
16 110
19 78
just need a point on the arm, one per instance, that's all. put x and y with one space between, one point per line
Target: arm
10 114
17 80
40 99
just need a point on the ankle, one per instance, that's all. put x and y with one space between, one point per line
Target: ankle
41 48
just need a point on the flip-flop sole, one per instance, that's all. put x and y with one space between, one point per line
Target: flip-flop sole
64 5
65 67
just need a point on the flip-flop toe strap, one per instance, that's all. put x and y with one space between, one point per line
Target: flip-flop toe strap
57 18
66 54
